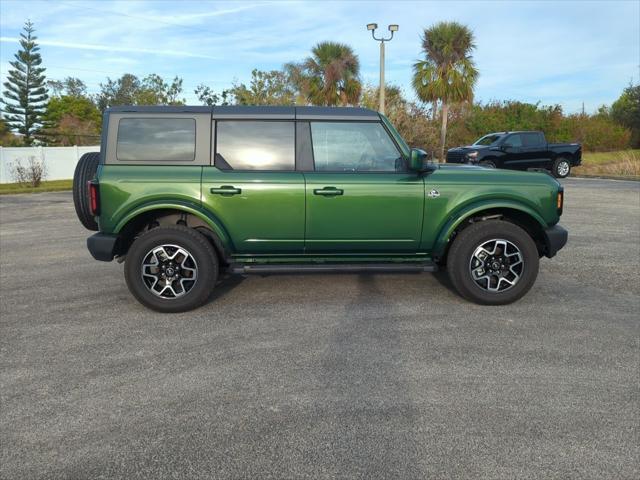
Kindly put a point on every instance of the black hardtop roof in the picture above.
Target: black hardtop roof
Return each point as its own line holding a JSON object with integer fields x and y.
{"x": 261, "y": 112}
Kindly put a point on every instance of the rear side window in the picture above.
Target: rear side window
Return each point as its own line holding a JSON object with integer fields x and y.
{"x": 513, "y": 141}
{"x": 354, "y": 147}
{"x": 255, "y": 145}
{"x": 156, "y": 139}
{"x": 532, "y": 139}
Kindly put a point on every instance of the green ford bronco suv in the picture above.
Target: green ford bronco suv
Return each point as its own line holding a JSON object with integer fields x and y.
{"x": 183, "y": 193}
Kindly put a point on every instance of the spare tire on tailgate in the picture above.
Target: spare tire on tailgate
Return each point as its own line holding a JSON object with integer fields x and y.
{"x": 85, "y": 171}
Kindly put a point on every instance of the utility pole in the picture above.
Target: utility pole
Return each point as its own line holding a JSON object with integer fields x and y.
{"x": 392, "y": 28}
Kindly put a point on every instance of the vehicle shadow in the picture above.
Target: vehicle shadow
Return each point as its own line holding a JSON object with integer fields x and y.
{"x": 442, "y": 277}
{"x": 226, "y": 283}
{"x": 366, "y": 390}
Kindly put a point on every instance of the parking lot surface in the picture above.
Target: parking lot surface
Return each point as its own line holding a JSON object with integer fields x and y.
{"x": 321, "y": 376}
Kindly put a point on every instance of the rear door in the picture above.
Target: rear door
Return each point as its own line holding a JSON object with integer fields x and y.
{"x": 360, "y": 195}
{"x": 535, "y": 150}
{"x": 253, "y": 187}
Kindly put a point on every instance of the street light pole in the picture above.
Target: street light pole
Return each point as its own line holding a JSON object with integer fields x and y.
{"x": 382, "y": 78}
{"x": 392, "y": 28}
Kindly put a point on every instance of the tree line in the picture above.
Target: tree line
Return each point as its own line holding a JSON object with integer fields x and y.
{"x": 62, "y": 112}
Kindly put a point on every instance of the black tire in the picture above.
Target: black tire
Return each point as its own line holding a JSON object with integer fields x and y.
{"x": 471, "y": 238}
{"x": 487, "y": 163}
{"x": 561, "y": 167}
{"x": 196, "y": 245}
{"x": 85, "y": 171}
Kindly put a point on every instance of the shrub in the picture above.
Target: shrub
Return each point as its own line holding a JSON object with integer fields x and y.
{"x": 598, "y": 132}
{"x": 31, "y": 174}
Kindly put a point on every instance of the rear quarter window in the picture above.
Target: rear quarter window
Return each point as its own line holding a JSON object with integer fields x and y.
{"x": 156, "y": 140}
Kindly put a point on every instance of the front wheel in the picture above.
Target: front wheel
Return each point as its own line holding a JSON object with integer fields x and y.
{"x": 487, "y": 164}
{"x": 171, "y": 269}
{"x": 493, "y": 262}
{"x": 561, "y": 168}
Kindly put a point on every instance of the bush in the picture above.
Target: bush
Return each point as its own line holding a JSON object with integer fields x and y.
{"x": 598, "y": 132}
{"x": 626, "y": 111}
{"x": 31, "y": 174}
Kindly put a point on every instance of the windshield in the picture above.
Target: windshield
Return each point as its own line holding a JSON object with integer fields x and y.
{"x": 488, "y": 139}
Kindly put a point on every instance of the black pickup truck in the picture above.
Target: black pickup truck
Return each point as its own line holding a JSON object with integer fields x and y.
{"x": 519, "y": 151}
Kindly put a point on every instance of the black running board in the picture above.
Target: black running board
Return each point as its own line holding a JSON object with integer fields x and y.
{"x": 238, "y": 268}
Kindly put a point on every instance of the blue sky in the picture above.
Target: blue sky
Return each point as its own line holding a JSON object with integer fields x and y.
{"x": 553, "y": 52}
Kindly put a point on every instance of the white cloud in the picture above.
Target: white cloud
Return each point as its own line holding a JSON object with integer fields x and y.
{"x": 109, "y": 48}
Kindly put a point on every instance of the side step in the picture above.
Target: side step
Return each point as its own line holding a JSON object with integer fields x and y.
{"x": 239, "y": 268}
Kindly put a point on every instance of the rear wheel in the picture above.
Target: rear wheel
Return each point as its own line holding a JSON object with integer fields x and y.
{"x": 171, "y": 269}
{"x": 493, "y": 262}
{"x": 84, "y": 172}
{"x": 561, "y": 168}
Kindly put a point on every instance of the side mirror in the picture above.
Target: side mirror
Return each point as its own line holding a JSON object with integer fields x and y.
{"x": 418, "y": 157}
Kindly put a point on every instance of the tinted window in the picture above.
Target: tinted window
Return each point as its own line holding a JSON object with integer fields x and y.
{"x": 532, "y": 139}
{"x": 255, "y": 145}
{"x": 513, "y": 141}
{"x": 354, "y": 147}
{"x": 156, "y": 139}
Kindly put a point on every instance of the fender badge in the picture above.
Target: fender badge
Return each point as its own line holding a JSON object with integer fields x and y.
{"x": 433, "y": 194}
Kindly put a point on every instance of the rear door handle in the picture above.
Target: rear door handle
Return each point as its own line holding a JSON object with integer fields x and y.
{"x": 226, "y": 190}
{"x": 328, "y": 191}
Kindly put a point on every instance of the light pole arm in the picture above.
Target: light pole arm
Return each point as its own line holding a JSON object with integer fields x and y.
{"x": 381, "y": 39}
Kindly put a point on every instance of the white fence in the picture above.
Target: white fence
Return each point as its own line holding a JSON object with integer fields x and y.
{"x": 60, "y": 162}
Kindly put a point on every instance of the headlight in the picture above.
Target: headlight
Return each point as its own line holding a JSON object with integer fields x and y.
{"x": 472, "y": 155}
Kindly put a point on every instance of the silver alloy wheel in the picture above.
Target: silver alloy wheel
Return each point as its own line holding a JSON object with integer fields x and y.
{"x": 496, "y": 265}
{"x": 169, "y": 271}
{"x": 563, "y": 168}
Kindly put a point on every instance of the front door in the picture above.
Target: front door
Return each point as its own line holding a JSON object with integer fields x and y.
{"x": 253, "y": 188}
{"x": 360, "y": 198}
{"x": 516, "y": 157}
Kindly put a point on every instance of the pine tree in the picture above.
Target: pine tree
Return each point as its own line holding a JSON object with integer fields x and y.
{"x": 25, "y": 96}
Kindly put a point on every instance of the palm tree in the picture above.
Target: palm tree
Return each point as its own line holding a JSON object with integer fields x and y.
{"x": 329, "y": 77}
{"x": 447, "y": 74}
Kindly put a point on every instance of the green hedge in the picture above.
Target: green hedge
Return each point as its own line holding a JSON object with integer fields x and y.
{"x": 597, "y": 132}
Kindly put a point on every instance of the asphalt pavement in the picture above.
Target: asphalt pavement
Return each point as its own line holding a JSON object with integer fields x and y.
{"x": 321, "y": 376}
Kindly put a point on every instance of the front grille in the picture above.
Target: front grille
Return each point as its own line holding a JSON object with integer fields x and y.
{"x": 455, "y": 157}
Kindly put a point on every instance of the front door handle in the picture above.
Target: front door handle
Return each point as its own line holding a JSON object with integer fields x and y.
{"x": 226, "y": 190}
{"x": 328, "y": 191}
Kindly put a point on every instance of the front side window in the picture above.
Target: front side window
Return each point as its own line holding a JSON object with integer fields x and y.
{"x": 255, "y": 145}
{"x": 156, "y": 139}
{"x": 354, "y": 147}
